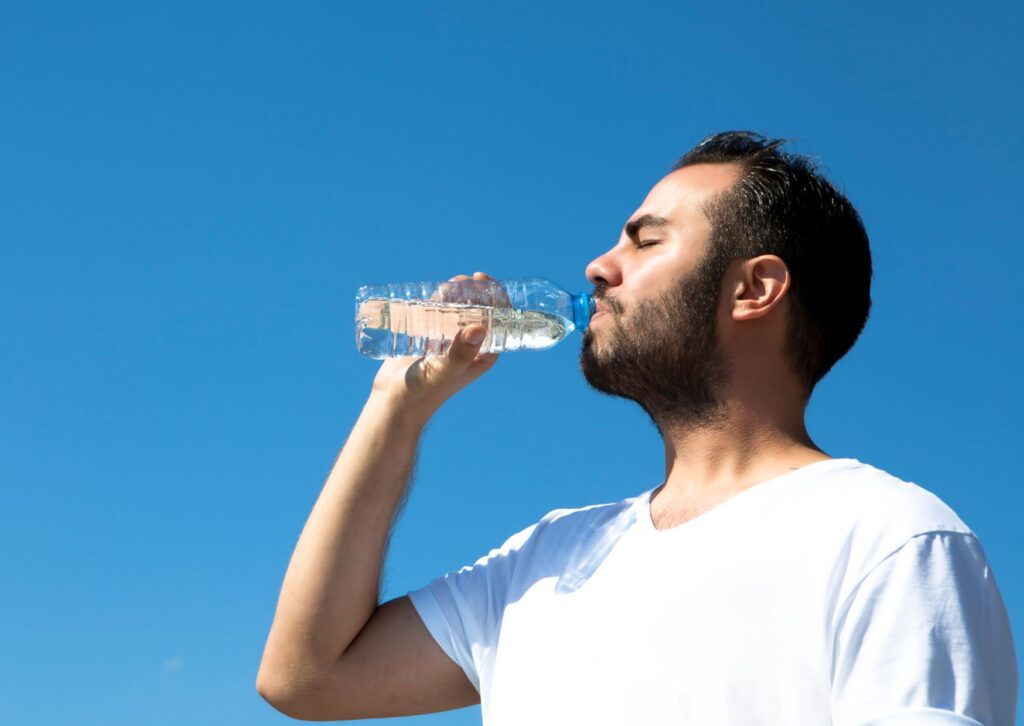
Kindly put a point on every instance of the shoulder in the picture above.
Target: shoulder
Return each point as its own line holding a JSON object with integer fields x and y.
{"x": 865, "y": 496}
{"x": 567, "y": 526}
{"x": 588, "y": 515}
{"x": 866, "y": 514}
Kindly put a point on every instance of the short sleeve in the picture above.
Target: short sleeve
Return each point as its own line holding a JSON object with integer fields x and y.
{"x": 462, "y": 610}
{"x": 924, "y": 638}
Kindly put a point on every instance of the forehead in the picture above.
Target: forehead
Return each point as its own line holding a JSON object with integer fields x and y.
{"x": 682, "y": 194}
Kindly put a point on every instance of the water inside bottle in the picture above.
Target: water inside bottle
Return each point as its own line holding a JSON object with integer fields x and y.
{"x": 388, "y": 328}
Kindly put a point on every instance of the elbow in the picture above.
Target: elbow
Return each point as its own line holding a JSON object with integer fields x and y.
{"x": 286, "y": 698}
{"x": 291, "y": 697}
{"x": 279, "y": 697}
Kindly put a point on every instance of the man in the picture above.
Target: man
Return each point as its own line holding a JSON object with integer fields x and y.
{"x": 763, "y": 581}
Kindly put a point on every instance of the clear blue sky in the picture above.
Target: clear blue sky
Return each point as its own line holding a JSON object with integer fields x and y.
{"x": 190, "y": 194}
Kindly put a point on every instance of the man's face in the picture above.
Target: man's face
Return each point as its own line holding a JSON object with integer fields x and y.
{"x": 656, "y": 339}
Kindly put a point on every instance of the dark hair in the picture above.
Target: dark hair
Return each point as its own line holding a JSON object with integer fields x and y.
{"x": 784, "y": 206}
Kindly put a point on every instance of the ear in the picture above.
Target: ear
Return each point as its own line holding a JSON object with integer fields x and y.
{"x": 759, "y": 286}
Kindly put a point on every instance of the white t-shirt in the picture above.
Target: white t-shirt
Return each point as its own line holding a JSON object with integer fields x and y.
{"x": 832, "y": 594}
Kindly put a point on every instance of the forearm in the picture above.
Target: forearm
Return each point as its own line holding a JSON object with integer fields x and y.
{"x": 331, "y": 587}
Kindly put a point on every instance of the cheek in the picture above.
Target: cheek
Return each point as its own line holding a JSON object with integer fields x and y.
{"x": 656, "y": 273}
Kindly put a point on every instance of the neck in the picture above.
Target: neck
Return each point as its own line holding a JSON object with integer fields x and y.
{"x": 745, "y": 445}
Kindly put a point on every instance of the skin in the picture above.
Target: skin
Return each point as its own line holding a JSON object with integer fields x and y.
{"x": 335, "y": 652}
{"x": 747, "y": 424}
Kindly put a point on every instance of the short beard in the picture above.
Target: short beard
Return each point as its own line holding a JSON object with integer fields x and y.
{"x": 666, "y": 356}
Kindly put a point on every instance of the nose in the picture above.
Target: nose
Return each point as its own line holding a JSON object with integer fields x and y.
{"x": 604, "y": 270}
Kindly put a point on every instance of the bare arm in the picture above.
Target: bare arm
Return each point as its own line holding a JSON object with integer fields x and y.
{"x": 332, "y": 651}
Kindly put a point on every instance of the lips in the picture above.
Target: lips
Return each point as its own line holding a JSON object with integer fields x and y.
{"x": 600, "y": 310}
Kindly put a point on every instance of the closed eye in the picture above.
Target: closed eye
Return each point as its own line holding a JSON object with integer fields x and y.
{"x": 647, "y": 243}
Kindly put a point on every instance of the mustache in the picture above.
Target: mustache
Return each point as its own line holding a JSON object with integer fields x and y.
{"x": 601, "y": 293}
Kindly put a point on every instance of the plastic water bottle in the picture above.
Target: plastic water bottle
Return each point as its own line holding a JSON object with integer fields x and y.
{"x": 421, "y": 318}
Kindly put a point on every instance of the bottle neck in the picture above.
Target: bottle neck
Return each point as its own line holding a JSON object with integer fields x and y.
{"x": 582, "y": 309}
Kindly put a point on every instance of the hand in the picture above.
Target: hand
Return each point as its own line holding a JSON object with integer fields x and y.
{"x": 424, "y": 384}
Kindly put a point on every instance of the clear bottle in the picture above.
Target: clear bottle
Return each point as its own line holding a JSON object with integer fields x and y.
{"x": 421, "y": 318}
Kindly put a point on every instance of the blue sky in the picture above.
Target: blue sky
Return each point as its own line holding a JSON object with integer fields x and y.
{"x": 191, "y": 193}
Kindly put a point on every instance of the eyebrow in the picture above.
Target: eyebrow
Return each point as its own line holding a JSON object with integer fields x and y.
{"x": 634, "y": 226}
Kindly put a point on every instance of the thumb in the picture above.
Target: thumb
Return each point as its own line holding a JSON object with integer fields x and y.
{"x": 446, "y": 374}
{"x": 466, "y": 344}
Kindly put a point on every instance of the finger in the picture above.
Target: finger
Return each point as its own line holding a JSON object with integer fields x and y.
{"x": 500, "y": 296}
{"x": 466, "y": 344}
{"x": 482, "y": 362}
{"x": 479, "y": 366}
{"x": 450, "y": 294}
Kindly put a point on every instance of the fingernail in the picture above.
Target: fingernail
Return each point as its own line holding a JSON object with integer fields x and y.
{"x": 475, "y": 336}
